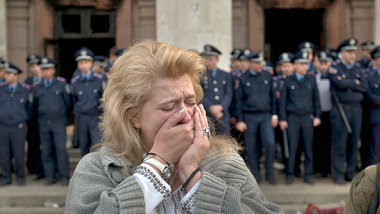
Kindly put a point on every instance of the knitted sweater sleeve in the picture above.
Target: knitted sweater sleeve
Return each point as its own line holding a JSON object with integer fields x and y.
{"x": 91, "y": 191}
{"x": 227, "y": 186}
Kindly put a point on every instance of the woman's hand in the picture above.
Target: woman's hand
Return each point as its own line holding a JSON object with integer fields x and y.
{"x": 173, "y": 139}
{"x": 198, "y": 149}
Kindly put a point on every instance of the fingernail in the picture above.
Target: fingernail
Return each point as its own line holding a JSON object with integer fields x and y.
{"x": 202, "y": 106}
{"x": 198, "y": 108}
{"x": 196, "y": 113}
{"x": 181, "y": 111}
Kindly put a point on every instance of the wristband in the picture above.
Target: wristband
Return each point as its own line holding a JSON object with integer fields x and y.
{"x": 189, "y": 178}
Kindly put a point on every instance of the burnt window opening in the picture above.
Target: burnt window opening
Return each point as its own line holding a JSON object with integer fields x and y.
{"x": 100, "y": 23}
{"x": 71, "y": 23}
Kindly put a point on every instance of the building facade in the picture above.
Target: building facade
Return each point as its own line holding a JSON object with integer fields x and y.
{"x": 57, "y": 28}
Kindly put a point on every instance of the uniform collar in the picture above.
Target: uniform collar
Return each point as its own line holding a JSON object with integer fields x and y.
{"x": 86, "y": 76}
{"x": 253, "y": 73}
{"x": 349, "y": 67}
{"x": 214, "y": 72}
{"x": 47, "y": 83}
{"x": 299, "y": 77}
{"x": 35, "y": 79}
{"x": 377, "y": 70}
{"x": 1, "y": 80}
{"x": 12, "y": 88}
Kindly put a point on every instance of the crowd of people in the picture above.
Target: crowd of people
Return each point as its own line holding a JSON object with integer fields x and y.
{"x": 316, "y": 103}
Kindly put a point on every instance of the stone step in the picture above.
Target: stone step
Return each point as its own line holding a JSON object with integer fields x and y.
{"x": 74, "y": 153}
{"x": 296, "y": 208}
{"x": 31, "y": 210}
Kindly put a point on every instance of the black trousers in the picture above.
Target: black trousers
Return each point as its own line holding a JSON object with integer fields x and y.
{"x": 322, "y": 145}
{"x": 12, "y": 144}
{"x": 33, "y": 155}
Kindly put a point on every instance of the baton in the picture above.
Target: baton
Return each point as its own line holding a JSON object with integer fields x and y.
{"x": 286, "y": 145}
{"x": 342, "y": 114}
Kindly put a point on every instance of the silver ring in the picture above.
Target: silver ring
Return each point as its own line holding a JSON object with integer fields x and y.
{"x": 206, "y": 132}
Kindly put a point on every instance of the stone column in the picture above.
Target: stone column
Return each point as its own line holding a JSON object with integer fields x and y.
{"x": 3, "y": 27}
{"x": 376, "y": 22}
{"x": 190, "y": 24}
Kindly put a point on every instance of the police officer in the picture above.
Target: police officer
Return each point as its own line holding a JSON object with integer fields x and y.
{"x": 88, "y": 88}
{"x": 268, "y": 67}
{"x": 244, "y": 60}
{"x": 52, "y": 101}
{"x": 217, "y": 87}
{"x": 373, "y": 94}
{"x": 348, "y": 83}
{"x": 34, "y": 162}
{"x": 309, "y": 48}
{"x": 286, "y": 69}
{"x": 2, "y": 70}
{"x": 100, "y": 65}
{"x": 366, "y": 47}
{"x": 255, "y": 110}
{"x": 300, "y": 113}
{"x": 322, "y": 136}
{"x": 15, "y": 110}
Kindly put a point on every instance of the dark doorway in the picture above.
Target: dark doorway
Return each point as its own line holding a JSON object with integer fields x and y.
{"x": 286, "y": 28}
{"x": 66, "y": 49}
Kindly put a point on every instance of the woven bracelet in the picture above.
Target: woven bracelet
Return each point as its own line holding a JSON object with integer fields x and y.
{"x": 189, "y": 178}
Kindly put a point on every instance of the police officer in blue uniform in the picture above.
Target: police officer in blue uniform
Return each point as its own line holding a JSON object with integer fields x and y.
{"x": 300, "y": 113}
{"x": 87, "y": 88}
{"x": 100, "y": 66}
{"x": 348, "y": 83}
{"x": 255, "y": 107}
{"x": 373, "y": 94}
{"x": 217, "y": 87}
{"x": 52, "y": 100}
{"x": 2, "y": 70}
{"x": 15, "y": 110}
{"x": 34, "y": 161}
{"x": 366, "y": 60}
{"x": 286, "y": 69}
{"x": 309, "y": 48}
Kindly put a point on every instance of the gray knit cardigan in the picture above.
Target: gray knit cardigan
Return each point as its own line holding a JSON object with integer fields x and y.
{"x": 103, "y": 183}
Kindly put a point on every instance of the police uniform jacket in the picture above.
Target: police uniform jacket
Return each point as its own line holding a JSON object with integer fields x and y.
{"x": 15, "y": 107}
{"x": 217, "y": 90}
{"x": 373, "y": 94}
{"x": 343, "y": 82}
{"x": 255, "y": 94}
{"x": 52, "y": 102}
{"x": 87, "y": 94}
{"x": 299, "y": 98}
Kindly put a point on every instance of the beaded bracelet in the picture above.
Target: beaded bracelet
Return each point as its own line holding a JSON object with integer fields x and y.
{"x": 189, "y": 178}
{"x": 158, "y": 185}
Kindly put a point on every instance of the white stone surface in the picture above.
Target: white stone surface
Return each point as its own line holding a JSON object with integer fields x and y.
{"x": 190, "y": 24}
{"x": 376, "y": 22}
{"x": 3, "y": 29}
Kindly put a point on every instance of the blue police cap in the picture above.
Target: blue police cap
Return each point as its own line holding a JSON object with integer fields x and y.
{"x": 10, "y": 68}
{"x": 256, "y": 56}
{"x": 209, "y": 50}
{"x": 333, "y": 53}
{"x": 267, "y": 65}
{"x": 2, "y": 63}
{"x": 367, "y": 45}
{"x": 245, "y": 54}
{"x": 120, "y": 51}
{"x": 33, "y": 58}
{"x": 301, "y": 57}
{"x": 285, "y": 57}
{"x": 348, "y": 44}
{"x": 84, "y": 53}
{"x": 236, "y": 53}
{"x": 323, "y": 56}
{"x": 305, "y": 46}
{"x": 46, "y": 62}
{"x": 375, "y": 52}
{"x": 101, "y": 61}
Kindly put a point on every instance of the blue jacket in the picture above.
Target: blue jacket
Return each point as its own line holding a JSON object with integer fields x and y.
{"x": 217, "y": 90}
{"x": 255, "y": 94}
{"x": 299, "y": 98}
{"x": 343, "y": 82}
{"x": 373, "y": 94}
{"x": 15, "y": 108}
{"x": 87, "y": 94}
{"x": 52, "y": 102}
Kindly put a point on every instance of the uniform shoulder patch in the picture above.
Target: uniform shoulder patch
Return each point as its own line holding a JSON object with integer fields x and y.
{"x": 98, "y": 76}
{"x": 24, "y": 85}
{"x": 61, "y": 79}
{"x": 332, "y": 70}
{"x": 3, "y": 84}
{"x": 35, "y": 84}
{"x": 74, "y": 79}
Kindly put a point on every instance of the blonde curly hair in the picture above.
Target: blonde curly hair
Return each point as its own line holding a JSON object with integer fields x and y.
{"x": 129, "y": 87}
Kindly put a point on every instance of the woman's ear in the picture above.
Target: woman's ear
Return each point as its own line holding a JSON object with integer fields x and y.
{"x": 136, "y": 122}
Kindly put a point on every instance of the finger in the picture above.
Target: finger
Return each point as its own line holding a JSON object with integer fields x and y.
{"x": 203, "y": 114}
{"x": 174, "y": 119}
{"x": 197, "y": 123}
{"x": 202, "y": 119}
